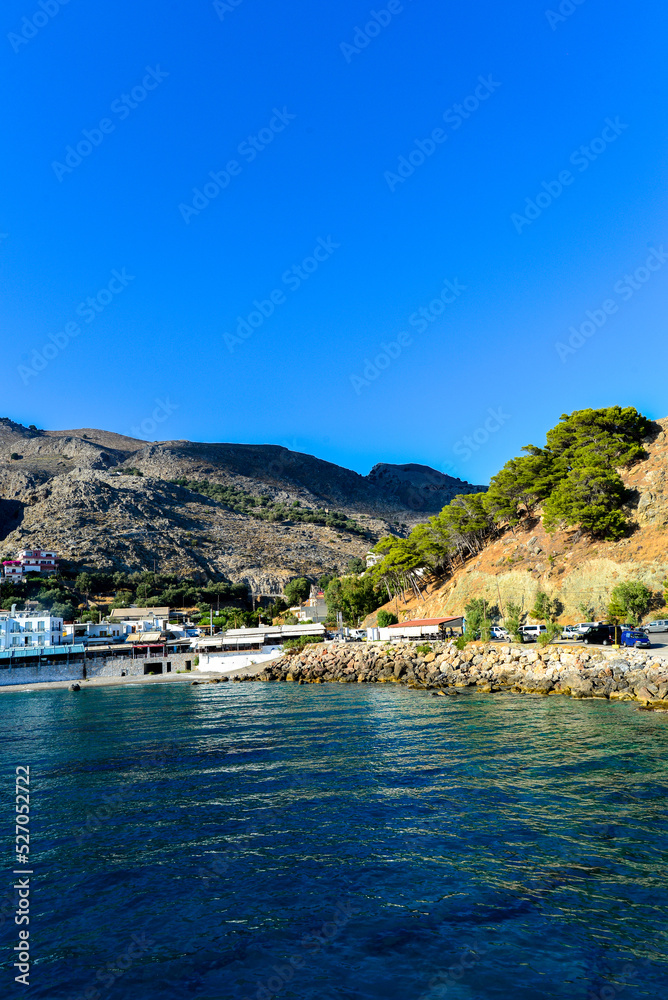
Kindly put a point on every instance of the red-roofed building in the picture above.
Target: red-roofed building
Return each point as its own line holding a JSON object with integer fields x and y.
{"x": 418, "y": 628}
{"x": 30, "y": 561}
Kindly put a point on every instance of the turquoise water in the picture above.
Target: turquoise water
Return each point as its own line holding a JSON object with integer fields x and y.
{"x": 259, "y": 841}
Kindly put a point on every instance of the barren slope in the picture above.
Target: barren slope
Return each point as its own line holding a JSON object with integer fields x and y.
{"x": 67, "y": 492}
{"x": 565, "y": 565}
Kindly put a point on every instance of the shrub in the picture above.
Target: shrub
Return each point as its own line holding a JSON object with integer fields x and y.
{"x": 630, "y": 601}
{"x": 15, "y": 456}
{"x": 423, "y": 648}
{"x": 301, "y": 641}
{"x": 386, "y": 618}
{"x": 547, "y": 637}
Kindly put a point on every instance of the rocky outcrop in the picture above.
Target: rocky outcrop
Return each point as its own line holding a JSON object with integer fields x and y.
{"x": 445, "y": 670}
{"x": 419, "y": 487}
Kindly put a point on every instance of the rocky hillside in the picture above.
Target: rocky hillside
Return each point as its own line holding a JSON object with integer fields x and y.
{"x": 565, "y": 564}
{"x": 418, "y": 487}
{"x": 109, "y": 502}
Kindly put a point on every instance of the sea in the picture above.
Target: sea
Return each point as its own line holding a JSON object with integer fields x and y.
{"x": 251, "y": 841}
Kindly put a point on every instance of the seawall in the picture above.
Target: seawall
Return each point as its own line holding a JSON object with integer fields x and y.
{"x": 576, "y": 671}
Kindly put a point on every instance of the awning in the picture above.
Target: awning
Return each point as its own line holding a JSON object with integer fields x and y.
{"x": 44, "y": 652}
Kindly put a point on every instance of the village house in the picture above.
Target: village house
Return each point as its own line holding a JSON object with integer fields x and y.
{"x": 29, "y": 630}
{"x": 314, "y": 609}
{"x": 30, "y": 561}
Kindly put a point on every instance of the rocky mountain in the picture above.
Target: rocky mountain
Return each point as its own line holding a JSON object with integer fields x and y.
{"x": 110, "y": 502}
{"x": 566, "y": 565}
{"x": 419, "y": 487}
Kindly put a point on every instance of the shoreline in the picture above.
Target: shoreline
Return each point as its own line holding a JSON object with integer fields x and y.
{"x": 575, "y": 671}
{"x": 96, "y": 682}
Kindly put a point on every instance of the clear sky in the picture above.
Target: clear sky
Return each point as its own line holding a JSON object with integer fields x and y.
{"x": 263, "y": 203}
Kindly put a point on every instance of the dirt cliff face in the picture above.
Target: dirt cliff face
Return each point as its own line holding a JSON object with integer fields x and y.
{"x": 565, "y": 565}
{"x": 68, "y": 491}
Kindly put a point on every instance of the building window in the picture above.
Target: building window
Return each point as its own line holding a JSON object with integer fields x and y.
{"x": 40, "y": 626}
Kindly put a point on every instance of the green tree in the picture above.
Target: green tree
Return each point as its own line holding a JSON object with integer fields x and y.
{"x": 513, "y": 619}
{"x": 122, "y": 599}
{"x": 296, "y": 591}
{"x": 520, "y": 486}
{"x": 586, "y": 609}
{"x": 356, "y": 565}
{"x": 354, "y": 596}
{"x": 64, "y": 611}
{"x": 590, "y": 497}
{"x": 386, "y": 618}
{"x": 325, "y": 580}
{"x": 611, "y": 437}
{"x": 629, "y": 602}
{"x": 545, "y": 608}
{"x": 84, "y": 584}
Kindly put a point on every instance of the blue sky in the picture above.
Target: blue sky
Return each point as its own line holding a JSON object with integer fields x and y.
{"x": 308, "y": 118}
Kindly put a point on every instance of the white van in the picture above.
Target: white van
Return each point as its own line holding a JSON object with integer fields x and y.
{"x": 532, "y": 631}
{"x": 583, "y": 626}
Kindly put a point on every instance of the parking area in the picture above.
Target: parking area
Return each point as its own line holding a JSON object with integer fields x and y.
{"x": 659, "y": 640}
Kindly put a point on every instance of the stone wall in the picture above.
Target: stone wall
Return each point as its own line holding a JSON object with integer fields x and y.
{"x": 113, "y": 666}
{"x": 578, "y": 671}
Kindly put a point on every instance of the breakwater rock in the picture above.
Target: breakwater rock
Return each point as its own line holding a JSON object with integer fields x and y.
{"x": 577, "y": 671}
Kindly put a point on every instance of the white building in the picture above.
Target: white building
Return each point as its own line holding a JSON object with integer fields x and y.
{"x": 30, "y": 561}
{"x": 420, "y": 628}
{"x": 91, "y": 633}
{"x": 18, "y": 631}
{"x": 313, "y": 610}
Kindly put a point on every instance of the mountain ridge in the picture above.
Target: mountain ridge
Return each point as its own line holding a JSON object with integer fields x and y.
{"x": 111, "y": 502}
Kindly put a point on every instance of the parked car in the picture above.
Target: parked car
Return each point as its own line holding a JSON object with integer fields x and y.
{"x": 600, "y": 635}
{"x": 499, "y": 632}
{"x": 583, "y": 626}
{"x": 661, "y": 625}
{"x": 531, "y": 632}
{"x": 634, "y": 637}
{"x": 570, "y": 632}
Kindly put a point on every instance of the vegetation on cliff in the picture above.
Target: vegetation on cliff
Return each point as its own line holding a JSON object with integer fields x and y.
{"x": 572, "y": 481}
{"x": 264, "y": 509}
